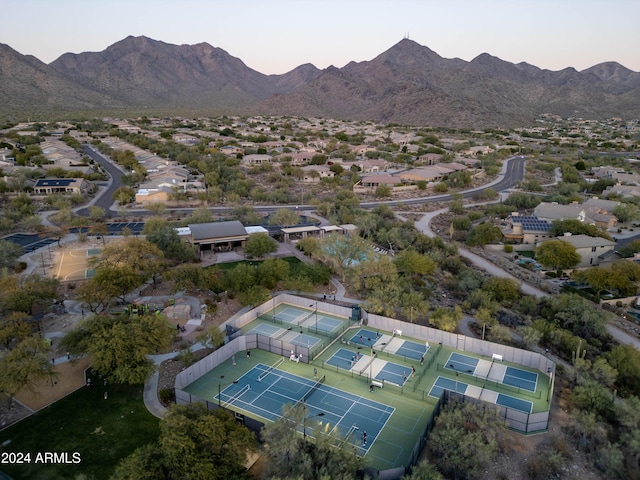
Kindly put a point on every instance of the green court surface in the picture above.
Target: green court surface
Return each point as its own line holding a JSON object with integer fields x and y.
{"x": 367, "y": 370}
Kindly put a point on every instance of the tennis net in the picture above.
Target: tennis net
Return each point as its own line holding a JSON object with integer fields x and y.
{"x": 271, "y": 318}
{"x": 262, "y": 375}
{"x": 305, "y": 318}
{"x": 313, "y": 388}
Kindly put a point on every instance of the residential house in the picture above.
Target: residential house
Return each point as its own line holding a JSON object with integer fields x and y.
{"x": 323, "y": 171}
{"x": 624, "y": 191}
{"x": 299, "y": 158}
{"x": 429, "y": 159}
{"x": 370, "y": 183}
{"x": 589, "y": 213}
{"x": 434, "y": 173}
{"x": 361, "y": 150}
{"x": 527, "y": 229}
{"x": 555, "y": 211}
{"x": 146, "y": 196}
{"x": 230, "y": 150}
{"x": 47, "y": 186}
{"x": 592, "y": 250}
{"x": 257, "y": 159}
{"x": 365, "y": 166}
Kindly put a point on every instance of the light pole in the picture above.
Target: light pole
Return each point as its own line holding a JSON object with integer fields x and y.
{"x": 316, "y": 313}
{"x": 304, "y": 423}
{"x": 550, "y": 372}
{"x": 452, "y": 366}
{"x": 220, "y": 385}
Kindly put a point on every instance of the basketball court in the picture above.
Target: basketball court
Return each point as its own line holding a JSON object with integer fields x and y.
{"x": 73, "y": 265}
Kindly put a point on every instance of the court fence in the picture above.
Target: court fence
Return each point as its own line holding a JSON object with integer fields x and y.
{"x": 461, "y": 342}
{"x": 515, "y": 419}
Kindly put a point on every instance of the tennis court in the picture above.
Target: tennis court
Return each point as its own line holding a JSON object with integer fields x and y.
{"x": 443, "y": 383}
{"x": 407, "y": 348}
{"x": 313, "y": 320}
{"x": 380, "y": 370}
{"x": 267, "y": 330}
{"x": 263, "y": 391}
{"x": 521, "y": 379}
{"x": 324, "y": 324}
{"x": 291, "y": 315}
{"x": 357, "y": 367}
{"x": 512, "y": 376}
{"x": 72, "y": 265}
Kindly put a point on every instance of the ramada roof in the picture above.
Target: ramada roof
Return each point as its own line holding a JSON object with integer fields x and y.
{"x": 204, "y": 231}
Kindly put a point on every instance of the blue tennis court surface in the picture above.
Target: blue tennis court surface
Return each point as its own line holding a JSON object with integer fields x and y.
{"x": 521, "y": 379}
{"x": 267, "y": 330}
{"x": 326, "y": 324}
{"x": 413, "y": 350}
{"x": 292, "y": 315}
{"x": 443, "y": 383}
{"x": 304, "y": 340}
{"x": 364, "y": 337}
{"x": 348, "y": 415}
{"x": 394, "y": 373}
{"x": 462, "y": 363}
{"x": 343, "y": 358}
{"x": 515, "y": 403}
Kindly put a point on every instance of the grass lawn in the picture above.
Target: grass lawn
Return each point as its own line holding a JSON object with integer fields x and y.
{"x": 102, "y": 431}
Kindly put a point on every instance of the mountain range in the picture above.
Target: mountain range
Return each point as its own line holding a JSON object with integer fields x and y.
{"x": 407, "y": 84}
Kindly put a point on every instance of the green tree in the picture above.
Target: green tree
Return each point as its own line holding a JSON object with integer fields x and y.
{"x": 484, "y": 234}
{"x": 317, "y": 456}
{"x": 96, "y": 214}
{"x": 124, "y": 195}
{"x": 259, "y": 244}
{"x": 9, "y": 253}
{"x": 423, "y": 471}
{"x": 14, "y": 327}
{"x": 630, "y": 249}
{"x": 414, "y": 305}
{"x": 284, "y": 217}
{"x": 530, "y": 336}
{"x": 502, "y": 290}
{"x": 164, "y": 236}
{"x": 272, "y": 271}
{"x": 523, "y": 201}
{"x": 577, "y": 315}
{"x": 627, "y": 212}
{"x": 194, "y": 443}
{"x": 576, "y": 227}
{"x": 465, "y": 439}
{"x": 384, "y": 298}
{"x": 626, "y": 360}
{"x": 595, "y": 398}
{"x": 383, "y": 191}
{"x": 446, "y": 318}
{"x": 25, "y": 366}
{"x": 241, "y": 278}
{"x": 119, "y": 345}
{"x": 137, "y": 259}
{"x": 200, "y": 215}
{"x": 343, "y": 252}
{"x": 557, "y": 254}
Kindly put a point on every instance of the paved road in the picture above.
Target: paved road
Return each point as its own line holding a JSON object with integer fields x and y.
{"x": 512, "y": 173}
{"x": 105, "y": 198}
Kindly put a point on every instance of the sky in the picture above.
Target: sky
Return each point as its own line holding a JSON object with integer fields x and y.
{"x": 275, "y": 36}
